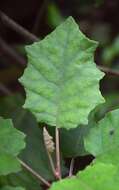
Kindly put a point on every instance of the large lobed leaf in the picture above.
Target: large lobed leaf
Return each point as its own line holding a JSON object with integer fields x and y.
{"x": 11, "y": 143}
{"x": 61, "y": 80}
{"x": 97, "y": 177}
{"x": 103, "y": 140}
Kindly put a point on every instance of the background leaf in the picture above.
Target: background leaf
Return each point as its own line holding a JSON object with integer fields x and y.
{"x": 12, "y": 188}
{"x": 24, "y": 179}
{"x": 103, "y": 139}
{"x": 8, "y": 164}
{"x": 97, "y": 177}
{"x": 11, "y": 143}
{"x": 24, "y": 121}
{"x": 61, "y": 80}
{"x": 53, "y": 15}
{"x": 34, "y": 154}
{"x": 72, "y": 141}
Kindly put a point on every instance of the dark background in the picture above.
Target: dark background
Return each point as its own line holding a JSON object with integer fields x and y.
{"x": 98, "y": 19}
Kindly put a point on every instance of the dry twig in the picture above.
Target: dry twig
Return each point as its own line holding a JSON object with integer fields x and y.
{"x": 18, "y": 28}
{"x": 39, "y": 177}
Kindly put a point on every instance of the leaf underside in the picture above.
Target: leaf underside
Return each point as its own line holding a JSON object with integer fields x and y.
{"x": 61, "y": 80}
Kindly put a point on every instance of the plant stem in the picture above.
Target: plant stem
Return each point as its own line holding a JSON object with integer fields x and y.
{"x": 49, "y": 146}
{"x": 58, "y": 164}
{"x": 39, "y": 17}
{"x": 39, "y": 177}
{"x": 108, "y": 70}
{"x": 18, "y": 28}
{"x": 71, "y": 167}
{"x": 5, "y": 90}
{"x": 51, "y": 164}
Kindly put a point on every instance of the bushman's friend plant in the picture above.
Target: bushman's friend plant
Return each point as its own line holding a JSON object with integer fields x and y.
{"x": 61, "y": 83}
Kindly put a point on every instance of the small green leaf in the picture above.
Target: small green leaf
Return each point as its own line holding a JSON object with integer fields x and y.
{"x": 12, "y": 188}
{"x": 8, "y": 164}
{"x": 11, "y": 143}
{"x": 103, "y": 139}
{"x": 61, "y": 80}
{"x": 11, "y": 140}
{"x": 97, "y": 177}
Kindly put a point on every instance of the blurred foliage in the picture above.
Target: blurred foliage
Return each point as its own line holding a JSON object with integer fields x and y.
{"x": 101, "y": 33}
{"x": 54, "y": 15}
{"x": 111, "y": 52}
{"x": 35, "y": 153}
{"x": 11, "y": 188}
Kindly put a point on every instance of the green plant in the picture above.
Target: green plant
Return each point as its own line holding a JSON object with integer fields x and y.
{"x": 62, "y": 89}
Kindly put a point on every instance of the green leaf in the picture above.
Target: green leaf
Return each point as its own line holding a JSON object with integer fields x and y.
{"x": 54, "y": 16}
{"x": 11, "y": 143}
{"x": 103, "y": 139}
{"x": 61, "y": 80}
{"x": 11, "y": 140}
{"x": 76, "y": 145}
{"x": 8, "y": 164}
{"x": 97, "y": 177}
{"x": 25, "y": 179}
{"x": 35, "y": 149}
{"x": 35, "y": 153}
{"x": 12, "y": 188}
{"x": 76, "y": 138}
{"x": 111, "y": 52}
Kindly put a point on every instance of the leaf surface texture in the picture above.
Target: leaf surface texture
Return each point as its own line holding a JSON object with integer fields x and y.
{"x": 61, "y": 80}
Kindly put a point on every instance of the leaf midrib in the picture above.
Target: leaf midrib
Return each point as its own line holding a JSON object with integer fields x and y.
{"x": 63, "y": 65}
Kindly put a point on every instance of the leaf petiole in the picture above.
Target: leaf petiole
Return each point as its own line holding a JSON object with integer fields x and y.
{"x": 39, "y": 177}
